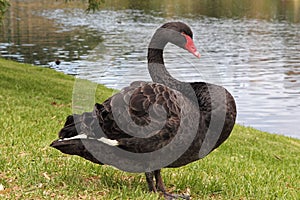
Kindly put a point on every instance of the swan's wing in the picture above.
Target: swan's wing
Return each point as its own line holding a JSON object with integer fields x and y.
{"x": 143, "y": 117}
{"x": 141, "y": 110}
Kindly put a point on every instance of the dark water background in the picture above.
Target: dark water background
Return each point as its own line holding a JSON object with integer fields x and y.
{"x": 250, "y": 47}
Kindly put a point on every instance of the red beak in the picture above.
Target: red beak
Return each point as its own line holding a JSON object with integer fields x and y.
{"x": 190, "y": 46}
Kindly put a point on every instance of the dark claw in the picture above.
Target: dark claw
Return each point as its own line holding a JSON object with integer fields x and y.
{"x": 161, "y": 187}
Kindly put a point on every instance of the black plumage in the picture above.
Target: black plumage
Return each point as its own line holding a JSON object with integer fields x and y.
{"x": 165, "y": 109}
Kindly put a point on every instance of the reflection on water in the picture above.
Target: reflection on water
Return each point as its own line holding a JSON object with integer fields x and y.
{"x": 250, "y": 47}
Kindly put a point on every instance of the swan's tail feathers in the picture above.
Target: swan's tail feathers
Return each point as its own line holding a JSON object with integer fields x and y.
{"x": 84, "y": 124}
{"x": 69, "y": 129}
{"x": 83, "y": 146}
{"x": 82, "y": 135}
{"x": 75, "y": 147}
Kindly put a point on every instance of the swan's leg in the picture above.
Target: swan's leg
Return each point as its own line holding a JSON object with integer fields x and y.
{"x": 161, "y": 187}
{"x": 149, "y": 178}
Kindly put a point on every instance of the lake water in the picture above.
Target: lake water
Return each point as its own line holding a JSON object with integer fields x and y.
{"x": 250, "y": 47}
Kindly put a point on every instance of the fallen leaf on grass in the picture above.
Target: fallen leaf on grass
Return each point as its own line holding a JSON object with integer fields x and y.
{"x": 187, "y": 191}
{"x": 55, "y": 104}
{"x": 82, "y": 196}
{"x": 23, "y": 153}
{"x": 4, "y": 192}
{"x": 46, "y": 176}
{"x": 277, "y": 157}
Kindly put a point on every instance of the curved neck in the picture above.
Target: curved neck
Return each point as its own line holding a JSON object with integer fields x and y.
{"x": 156, "y": 67}
{"x": 158, "y": 71}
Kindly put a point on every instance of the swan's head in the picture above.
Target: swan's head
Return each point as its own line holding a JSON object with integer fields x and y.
{"x": 181, "y": 35}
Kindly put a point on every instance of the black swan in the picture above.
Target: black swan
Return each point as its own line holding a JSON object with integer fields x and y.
{"x": 152, "y": 125}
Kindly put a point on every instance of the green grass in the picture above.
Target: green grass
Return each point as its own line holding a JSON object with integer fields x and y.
{"x": 34, "y": 102}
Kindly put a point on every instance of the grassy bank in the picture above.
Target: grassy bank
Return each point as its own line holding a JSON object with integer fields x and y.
{"x": 34, "y": 102}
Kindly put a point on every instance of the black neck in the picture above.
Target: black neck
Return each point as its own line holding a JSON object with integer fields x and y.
{"x": 155, "y": 56}
{"x": 158, "y": 71}
{"x": 160, "y": 74}
{"x": 156, "y": 67}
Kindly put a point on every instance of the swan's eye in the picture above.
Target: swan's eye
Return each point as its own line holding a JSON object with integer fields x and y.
{"x": 186, "y": 34}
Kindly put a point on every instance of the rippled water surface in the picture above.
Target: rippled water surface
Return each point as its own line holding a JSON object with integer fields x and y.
{"x": 256, "y": 58}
